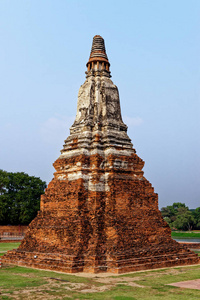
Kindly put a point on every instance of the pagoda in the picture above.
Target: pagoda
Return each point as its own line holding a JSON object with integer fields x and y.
{"x": 99, "y": 213}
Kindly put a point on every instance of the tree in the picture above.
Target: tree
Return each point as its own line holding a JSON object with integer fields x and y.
{"x": 170, "y": 212}
{"x": 184, "y": 219}
{"x": 179, "y": 216}
{"x": 196, "y": 214}
{"x": 19, "y": 197}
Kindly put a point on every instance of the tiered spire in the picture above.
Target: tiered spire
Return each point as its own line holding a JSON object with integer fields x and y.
{"x": 98, "y": 60}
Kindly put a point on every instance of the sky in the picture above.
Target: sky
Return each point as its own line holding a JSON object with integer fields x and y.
{"x": 153, "y": 48}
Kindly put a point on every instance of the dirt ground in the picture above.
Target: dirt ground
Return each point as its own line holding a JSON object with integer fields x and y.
{"x": 189, "y": 284}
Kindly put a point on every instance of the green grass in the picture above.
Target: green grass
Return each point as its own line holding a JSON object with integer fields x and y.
{"x": 26, "y": 283}
{"x": 4, "y": 247}
{"x": 186, "y": 234}
{"x": 197, "y": 251}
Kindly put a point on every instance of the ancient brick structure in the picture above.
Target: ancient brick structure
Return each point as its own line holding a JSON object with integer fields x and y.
{"x": 18, "y": 230}
{"x": 99, "y": 213}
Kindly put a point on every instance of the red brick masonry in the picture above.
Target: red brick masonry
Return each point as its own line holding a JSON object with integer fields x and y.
{"x": 119, "y": 230}
{"x": 12, "y": 230}
{"x": 191, "y": 245}
{"x": 99, "y": 213}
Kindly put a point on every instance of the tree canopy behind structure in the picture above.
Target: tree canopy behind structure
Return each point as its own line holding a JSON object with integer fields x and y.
{"x": 19, "y": 197}
{"x": 180, "y": 217}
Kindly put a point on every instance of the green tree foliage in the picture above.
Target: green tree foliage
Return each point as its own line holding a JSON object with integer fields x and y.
{"x": 196, "y": 214}
{"x": 19, "y": 197}
{"x": 178, "y": 216}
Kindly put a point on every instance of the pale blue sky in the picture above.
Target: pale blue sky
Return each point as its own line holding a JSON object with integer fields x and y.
{"x": 153, "y": 48}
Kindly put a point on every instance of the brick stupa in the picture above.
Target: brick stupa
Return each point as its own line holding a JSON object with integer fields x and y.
{"x": 99, "y": 213}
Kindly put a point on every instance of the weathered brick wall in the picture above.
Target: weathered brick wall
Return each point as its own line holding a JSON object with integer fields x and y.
{"x": 13, "y": 230}
{"x": 191, "y": 245}
{"x": 118, "y": 230}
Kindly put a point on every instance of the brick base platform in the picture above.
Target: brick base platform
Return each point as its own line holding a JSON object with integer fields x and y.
{"x": 120, "y": 230}
{"x": 191, "y": 245}
{"x": 69, "y": 264}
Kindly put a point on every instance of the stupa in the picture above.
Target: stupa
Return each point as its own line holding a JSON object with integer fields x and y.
{"x": 99, "y": 213}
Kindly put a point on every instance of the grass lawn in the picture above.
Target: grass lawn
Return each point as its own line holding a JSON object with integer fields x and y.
{"x": 24, "y": 283}
{"x": 21, "y": 283}
{"x": 197, "y": 251}
{"x": 186, "y": 234}
{"x": 4, "y": 247}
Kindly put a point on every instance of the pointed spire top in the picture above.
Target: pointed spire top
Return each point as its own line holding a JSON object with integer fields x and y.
{"x": 98, "y": 48}
{"x": 98, "y": 54}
